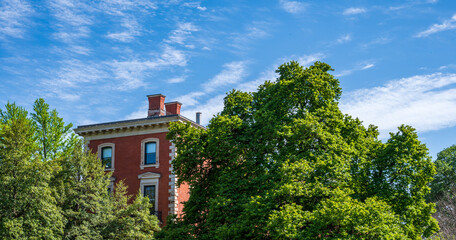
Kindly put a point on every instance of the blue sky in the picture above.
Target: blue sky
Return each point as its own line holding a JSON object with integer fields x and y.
{"x": 95, "y": 61}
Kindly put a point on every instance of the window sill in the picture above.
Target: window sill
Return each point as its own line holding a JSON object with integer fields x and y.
{"x": 150, "y": 165}
{"x": 108, "y": 169}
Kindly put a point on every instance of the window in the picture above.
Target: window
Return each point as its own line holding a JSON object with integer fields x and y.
{"x": 149, "y": 153}
{"x": 106, "y": 157}
{"x": 106, "y": 154}
{"x": 149, "y": 191}
{"x": 149, "y": 182}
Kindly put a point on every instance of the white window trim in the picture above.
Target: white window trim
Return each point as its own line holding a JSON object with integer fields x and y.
{"x": 147, "y": 179}
{"x": 143, "y": 150}
{"x": 113, "y": 157}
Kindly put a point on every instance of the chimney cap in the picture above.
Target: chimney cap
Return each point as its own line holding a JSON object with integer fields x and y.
{"x": 173, "y": 102}
{"x": 155, "y": 95}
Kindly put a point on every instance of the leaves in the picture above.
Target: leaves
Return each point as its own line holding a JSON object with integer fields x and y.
{"x": 285, "y": 163}
{"x": 51, "y": 188}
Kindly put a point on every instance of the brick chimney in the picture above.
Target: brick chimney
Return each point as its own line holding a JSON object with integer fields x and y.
{"x": 173, "y": 108}
{"x": 156, "y": 105}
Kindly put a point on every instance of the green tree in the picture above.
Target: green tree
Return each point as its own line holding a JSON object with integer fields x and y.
{"x": 285, "y": 163}
{"x": 52, "y": 188}
{"x": 130, "y": 220}
{"x": 28, "y": 209}
{"x": 91, "y": 212}
{"x": 445, "y": 180}
{"x": 53, "y": 136}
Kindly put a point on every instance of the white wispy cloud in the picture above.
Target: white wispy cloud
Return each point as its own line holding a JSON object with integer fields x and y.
{"x": 191, "y": 98}
{"x": 446, "y": 25}
{"x": 208, "y": 109}
{"x": 307, "y": 60}
{"x": 71, "y": 12}
{"x": 179, "y": 35}
{"x": 131, "y": 30}
{"x": 232, "y": 73}
{"x": 129, "y": 11}
{"x": 358, "y": 67}
{"x": 293, "y": 6}
{"x": 14, "y": 16}
{"x": 254, "y": 31}
{"x": 196, "y": 5}
{"x": 65, "y": 82}
{"x": 72, "y": 22}
{"x": 427, "y": 102}
{"x": 377, "y": 41}
{"x": 354, "y": 11}
{"x": 367, "y": 66}
{"x": 140, "y": 113}
{"x": 131, "y": 73}
{"x": 176, "y": 79}
{"x": 344, "y": 38}
{"x": 72, "y": 78}
{"x": 122, "y": 7}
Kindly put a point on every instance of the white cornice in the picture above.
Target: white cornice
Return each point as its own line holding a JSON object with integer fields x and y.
{"x": 130, "y": 127}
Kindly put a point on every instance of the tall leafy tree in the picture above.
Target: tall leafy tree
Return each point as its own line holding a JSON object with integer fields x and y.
{"x": 285, "y": 163}
{"x": 445, "y": 180}
{"x": 52, "y": 188}
{"x": 28, "y": 209}
{"x": 90, "y": 211}
{"x": 130, "y": 219}
{"x": 53, "y": 136}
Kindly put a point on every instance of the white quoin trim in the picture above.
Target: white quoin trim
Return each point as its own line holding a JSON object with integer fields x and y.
{"x": 173, "y": 195}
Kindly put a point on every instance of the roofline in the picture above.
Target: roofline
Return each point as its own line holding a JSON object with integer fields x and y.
{"x": 82, "y": 128}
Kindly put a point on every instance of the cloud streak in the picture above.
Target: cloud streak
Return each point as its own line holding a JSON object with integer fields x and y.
{"x": 448, "y": 24}
{"x": 14, "y": 17}
{"x": 359, "y": 67}
{"x": 131, "y": 30}
{"x": 232, "y": 73}
{"x": 427, "y": 102}
{"x": 354, "y": 11}
{"x": 293, "y": 7}
{"x": 183, "y": 31}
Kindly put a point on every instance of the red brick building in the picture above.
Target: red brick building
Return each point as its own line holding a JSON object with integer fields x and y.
{"x": 138, "y": 152}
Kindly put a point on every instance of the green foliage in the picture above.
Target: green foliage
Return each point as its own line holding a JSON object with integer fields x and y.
{"x": 130, "y": 221}
{"x": 446, "y": 215}
{"x": 51, "y": 188}
{"x": 285, "y": 163}
{"x": 445, "y": 179}
{"x": 27, "y": 206}
{"x": 55, "y": 139}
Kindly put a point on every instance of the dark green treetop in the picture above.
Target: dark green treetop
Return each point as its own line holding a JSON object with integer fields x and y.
{"x": 285, "y": 163}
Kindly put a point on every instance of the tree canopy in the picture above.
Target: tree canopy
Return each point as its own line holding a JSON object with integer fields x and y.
{"x": 285, "y": 163}
{"x": 51, "y": 188}
{"x": 445, "y": 180}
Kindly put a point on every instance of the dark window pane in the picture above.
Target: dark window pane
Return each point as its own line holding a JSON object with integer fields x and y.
{"x": 106, "y": 156}
{"x": 149, "y": 191}
{"x": 150, "y": 153}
